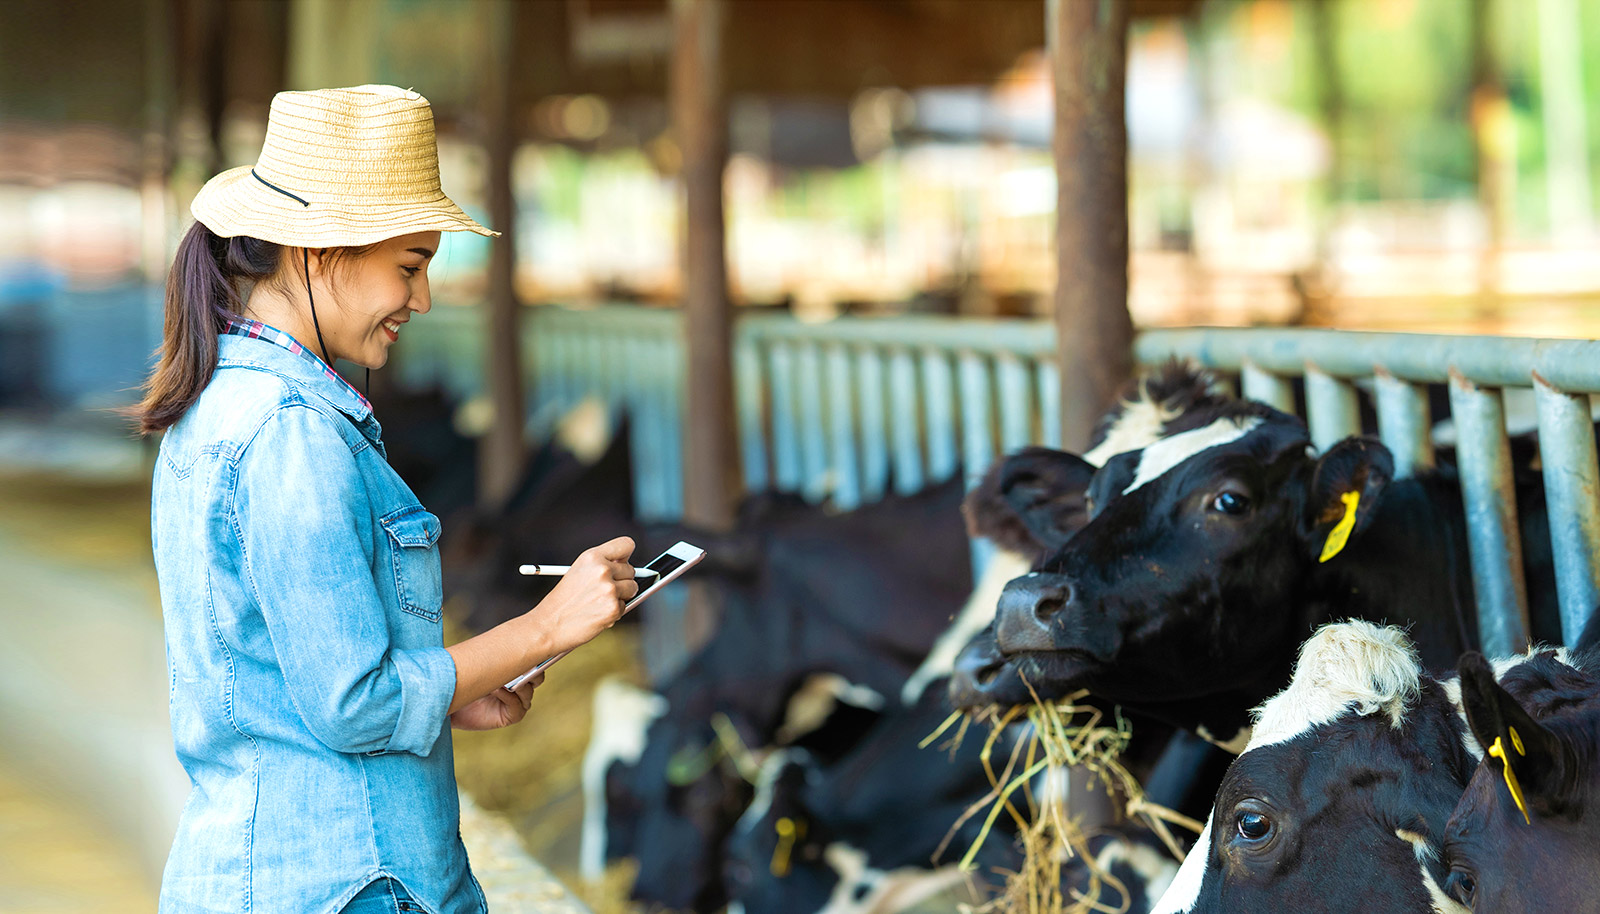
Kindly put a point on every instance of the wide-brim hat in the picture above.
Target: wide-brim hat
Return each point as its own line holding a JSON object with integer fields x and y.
{"x": 339, "y": 167}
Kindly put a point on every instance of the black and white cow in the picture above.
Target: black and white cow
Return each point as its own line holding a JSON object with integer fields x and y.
{"x": 1537, "y": 849}
{"x": 1209, "y": 555}
{"x": 876, "y": 831}
{"x": 824, "y": 617}
{"x": 1340, "y": 800}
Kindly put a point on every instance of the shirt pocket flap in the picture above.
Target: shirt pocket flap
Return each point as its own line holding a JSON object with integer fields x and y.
{"x": 412, "y": 527}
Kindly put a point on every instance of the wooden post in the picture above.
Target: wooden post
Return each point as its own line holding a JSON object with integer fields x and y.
{"x": 711, "y": 460}
{"x": 1088, "y": 44}
{"x": 500, "y": 455}
{"x": 700, "y": 122}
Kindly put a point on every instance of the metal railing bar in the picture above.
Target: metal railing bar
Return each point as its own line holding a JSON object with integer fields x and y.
{"x": 1273, "y": 390}
{"x": 1332, "y": 409}
{"x": 845, "y": 457}
{"x": 1572, "y": 498}
{"x": 1015, "y": 402}
{"x": 1404, "y": 424}
{"x": 1571, "y": 365}
{"x": 903, "y": 411}
{"x": 939, "y": 403}
{"x": 1484, "y": 456}
{"x": 871, "y": 391}
{"x": 815, "y": 482}
{"x": 786, "y": 471}
{"x": 749, "y": 391}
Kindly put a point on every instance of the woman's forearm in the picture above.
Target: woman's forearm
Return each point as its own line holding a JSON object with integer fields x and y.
{"x": 488, "y": 661}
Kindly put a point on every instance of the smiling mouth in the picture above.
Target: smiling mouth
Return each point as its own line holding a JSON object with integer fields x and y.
{"x": 392, "y": 328}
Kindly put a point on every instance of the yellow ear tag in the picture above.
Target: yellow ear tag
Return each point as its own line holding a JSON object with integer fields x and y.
{"x": 1340, "y": 534}
{"x": 1499, "y": 752}
{"x": 787, "y": 833}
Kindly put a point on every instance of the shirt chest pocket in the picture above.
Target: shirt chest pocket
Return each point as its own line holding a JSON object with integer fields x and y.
{"x": 413, "y": 545}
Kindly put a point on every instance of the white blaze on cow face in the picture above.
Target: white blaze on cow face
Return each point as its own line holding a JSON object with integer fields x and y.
{"x": 1233, "y": 745}
{"x": 1184, "y": 891}
{"x": 864, "y": 890}
{"x": 1136, "y": 428}
{"x": 1345, "y": 665}
{"x": 1168, "y": 452}
{"x": 815, "y": 699}
{"x": 622, "y": 715}
{"x": 974, "y": 617}
{"x": 766, "y": 784}
{"x": 1156, "y": 868}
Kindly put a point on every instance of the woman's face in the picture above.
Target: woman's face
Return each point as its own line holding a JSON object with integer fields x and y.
{"x": 374, "y": 295}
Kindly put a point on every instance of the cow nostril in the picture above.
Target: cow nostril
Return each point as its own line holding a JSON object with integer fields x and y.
{"x": 987, "y": 675}
{"x": 1052, "y": 601}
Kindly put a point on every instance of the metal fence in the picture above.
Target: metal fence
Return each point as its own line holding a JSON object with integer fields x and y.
{"x": 1561, "y": 373}
{"x": 848, "y": 410}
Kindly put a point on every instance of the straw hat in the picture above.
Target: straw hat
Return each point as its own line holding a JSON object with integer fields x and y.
{"x": 339, "y": 167}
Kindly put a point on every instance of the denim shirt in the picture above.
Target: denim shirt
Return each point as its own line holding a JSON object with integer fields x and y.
{"x": 300, "y": 589}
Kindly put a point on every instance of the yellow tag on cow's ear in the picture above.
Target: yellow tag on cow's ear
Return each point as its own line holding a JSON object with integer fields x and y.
{"x": 1340, "y": 534}
{"x": 788, "y": 834}
{"x": 1499, "y": 751}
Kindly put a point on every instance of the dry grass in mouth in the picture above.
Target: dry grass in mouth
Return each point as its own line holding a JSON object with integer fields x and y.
{"x": 1065, "y": 735}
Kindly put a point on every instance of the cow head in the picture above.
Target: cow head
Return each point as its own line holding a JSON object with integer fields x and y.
{"x": 1340, "y": 800}
{"x": 690, "y": 790}
{"x": 1523, "y": 837}
{"x": 864, "y": 832}
{"x": 1190, "y": 577}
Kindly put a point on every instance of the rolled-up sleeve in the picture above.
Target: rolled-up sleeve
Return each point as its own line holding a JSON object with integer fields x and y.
{"x": 305, "y": 529}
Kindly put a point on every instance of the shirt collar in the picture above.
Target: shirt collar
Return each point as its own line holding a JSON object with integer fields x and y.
{"x": 305, "y": 367}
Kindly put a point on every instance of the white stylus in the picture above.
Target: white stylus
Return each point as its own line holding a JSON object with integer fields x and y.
{"x": 563, "y": 569}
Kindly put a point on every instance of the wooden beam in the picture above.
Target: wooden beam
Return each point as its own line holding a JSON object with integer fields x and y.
{"x": 500, "y": 456}
{"x": 700, "y": 122}
{"x": 1088, "y": 44}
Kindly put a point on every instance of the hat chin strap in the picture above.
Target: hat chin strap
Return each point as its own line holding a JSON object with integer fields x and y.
{"x": 305, "y": 261}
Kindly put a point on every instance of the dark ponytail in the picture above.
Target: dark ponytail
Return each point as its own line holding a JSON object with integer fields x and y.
{"x": 206, "y": 288}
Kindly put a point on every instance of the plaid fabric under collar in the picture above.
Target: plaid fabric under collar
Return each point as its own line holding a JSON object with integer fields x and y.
{"x": 259, "y": 331}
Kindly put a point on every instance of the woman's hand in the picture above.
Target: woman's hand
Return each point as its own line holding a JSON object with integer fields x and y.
{"x": 500, "y": 708}
{"x": 589, "y": 597}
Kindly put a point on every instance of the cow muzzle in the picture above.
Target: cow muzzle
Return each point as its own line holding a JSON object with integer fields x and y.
{"x": 1022, "y": 620}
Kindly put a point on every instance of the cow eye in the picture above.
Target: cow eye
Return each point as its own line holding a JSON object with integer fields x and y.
{"x": 1230, "y": 503}
{"x": 1253, "y": 826}
{"x": 1461, "y": 886}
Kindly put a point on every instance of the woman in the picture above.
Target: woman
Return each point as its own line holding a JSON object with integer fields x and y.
{"x": 300, "y": 585}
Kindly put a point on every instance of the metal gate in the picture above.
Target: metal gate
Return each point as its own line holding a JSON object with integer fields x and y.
{"x": 847, "y": 410}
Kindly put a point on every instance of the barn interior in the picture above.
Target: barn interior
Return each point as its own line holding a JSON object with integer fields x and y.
{"x": 774, "y": 274}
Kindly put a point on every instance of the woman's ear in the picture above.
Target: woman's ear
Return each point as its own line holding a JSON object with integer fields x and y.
{"x": 1346, "y": 483}
{"x": 314, "y": 260}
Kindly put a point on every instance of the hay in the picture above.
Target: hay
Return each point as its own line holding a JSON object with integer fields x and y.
{"x": 1065, "y": 736}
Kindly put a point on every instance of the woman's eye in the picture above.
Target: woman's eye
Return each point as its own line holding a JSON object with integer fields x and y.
{"x": 1461, "y": 886}
{"x": 412, "y": 271}
{"x": 1253, "y": 826}
{"x": 1230, "y": 503}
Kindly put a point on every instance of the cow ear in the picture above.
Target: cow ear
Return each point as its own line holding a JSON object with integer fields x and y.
{"x": 1534, "y": 764}
{"x": 1030, "y": 502}
{"x": 1345, "y": 486}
